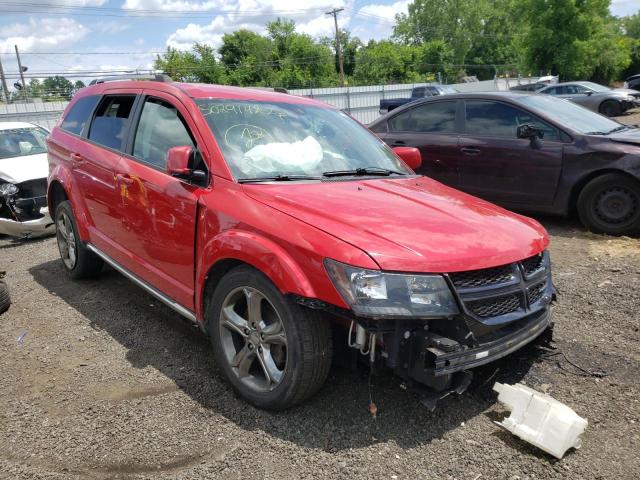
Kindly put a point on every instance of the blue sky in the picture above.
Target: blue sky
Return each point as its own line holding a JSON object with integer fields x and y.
{"x": 101, "y": 27}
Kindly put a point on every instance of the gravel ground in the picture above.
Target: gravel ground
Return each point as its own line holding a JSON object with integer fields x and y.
{"x": 100, "y": 381}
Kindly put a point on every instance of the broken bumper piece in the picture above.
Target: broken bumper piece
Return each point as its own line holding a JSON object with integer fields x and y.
{"x": 540, "y": 419}
{"x": 29, "y": 228}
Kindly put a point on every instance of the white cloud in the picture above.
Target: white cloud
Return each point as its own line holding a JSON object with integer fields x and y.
{"x": 387, "y": 12}
{"x": 252, "y": 15}
{"x": 42, "y": 35}
{"x": 378, "y": 20}
{"x": 211, "y": 34}
{"x": 111, "y": 26}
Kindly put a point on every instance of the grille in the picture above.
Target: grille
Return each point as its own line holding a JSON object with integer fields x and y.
{"x": 494, "y": 307}
{"x": 33, "y": 188}
{"x": 480, "y": 278}
{"x": 536, "y": 292}
{"x": 532, "y": 264}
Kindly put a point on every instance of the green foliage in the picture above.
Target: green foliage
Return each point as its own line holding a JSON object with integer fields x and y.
{"x": 387, "y": 62}
{"x": 576, "y": 39}
{"x": 57, "y": 88}
{"x": 573, "y": 38}
{"x": 198, "y": 65}
{"x": 456, "y": 22}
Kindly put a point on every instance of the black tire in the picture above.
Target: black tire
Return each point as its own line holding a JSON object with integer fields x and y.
{"x": 610, "y": 204}
{"x": 308, "y": 351}
{"x": 610, "y": 108}
{"x": 5, "y": 299}
{"x": 85, "y": 264}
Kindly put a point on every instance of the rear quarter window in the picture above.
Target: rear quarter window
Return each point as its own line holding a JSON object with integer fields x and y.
{"x": 79, "y": 114}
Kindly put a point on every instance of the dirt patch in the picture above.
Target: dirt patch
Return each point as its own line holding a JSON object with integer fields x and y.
{"x": 100, "y": 381}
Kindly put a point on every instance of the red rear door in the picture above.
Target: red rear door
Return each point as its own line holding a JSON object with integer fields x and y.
{"x": 93, "y": 164}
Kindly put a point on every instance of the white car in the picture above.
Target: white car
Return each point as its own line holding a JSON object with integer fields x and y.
{"x": 23, "y": 180}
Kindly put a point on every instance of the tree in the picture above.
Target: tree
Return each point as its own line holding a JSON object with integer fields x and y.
{"x": 387, "y": 62}
{"x": 456, "y": 22}
{"x": 575, "y": 39}
{"x": 349, "y": 45}
{"x": 246, "y": 56}
{"x": 57, "y": 88}
{"x": 631, "y": 26}
{"x": 34, "y": 88}
{"x": 298, "y": 60}
{"x": 197, "y": 65}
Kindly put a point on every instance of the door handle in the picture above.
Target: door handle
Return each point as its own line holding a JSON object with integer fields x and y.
{"x": 75, "y": 157}
{"x": 398, "y": 143}
{"x": 470, "y": 151}
{"x": 125, "y": 179}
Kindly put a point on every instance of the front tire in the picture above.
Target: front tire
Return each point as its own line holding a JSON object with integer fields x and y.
{"x": 611, "y": 204}
{"x": 274, "y": 353}
{"x": 610, "y": 108}
{"x": 78, "y": 261}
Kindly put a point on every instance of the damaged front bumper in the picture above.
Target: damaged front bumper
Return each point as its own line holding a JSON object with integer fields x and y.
{"x": 37, "y": 227}
{"x": 425, "y": 356}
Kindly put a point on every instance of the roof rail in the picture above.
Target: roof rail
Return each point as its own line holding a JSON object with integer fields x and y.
{"x": 157, "y": 77}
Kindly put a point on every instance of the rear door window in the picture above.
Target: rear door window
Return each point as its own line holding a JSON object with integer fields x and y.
{"x": 79, "y": 114}
{"x": 436, "y": 117}
{"x": 161, "y": 127}
{"x": 487, "y": 118}
{"x": 110, "y": 123}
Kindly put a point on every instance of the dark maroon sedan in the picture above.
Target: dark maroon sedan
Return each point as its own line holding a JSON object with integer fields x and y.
{"x": 526, "y": 152}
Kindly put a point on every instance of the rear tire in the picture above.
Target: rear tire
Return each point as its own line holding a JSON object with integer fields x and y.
{"x": 611, "y": 204}
{"x": 78, "y": 261}
{"x": 273, "y": 352}
{"x": 610, "y": 108}
{"x": 5, "y": 300}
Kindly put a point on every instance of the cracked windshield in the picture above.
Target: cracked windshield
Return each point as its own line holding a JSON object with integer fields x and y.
{"x": 266, "y": 140}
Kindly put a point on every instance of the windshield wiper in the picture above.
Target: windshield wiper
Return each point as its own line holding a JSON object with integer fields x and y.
{"x": 278, "y": 178}
{"x": 361, "y": 172}
{"x": 618, "y": 129}
{"x": 596, "y": 133}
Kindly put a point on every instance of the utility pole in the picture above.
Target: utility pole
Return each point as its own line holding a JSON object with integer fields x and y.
{"x": 24, "y": 85}
{"x": 334, "y": 12}
{"x": 5, "y": 91}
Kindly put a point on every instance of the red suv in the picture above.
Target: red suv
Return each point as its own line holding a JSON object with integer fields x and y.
{"x": 277, "y": 222}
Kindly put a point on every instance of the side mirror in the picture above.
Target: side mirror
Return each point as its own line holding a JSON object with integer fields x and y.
{"x": 530, "y": 131}
{"x": 180, "y": 161}
{"x": 589, "y": 93}
{"x": 410, "y": 155}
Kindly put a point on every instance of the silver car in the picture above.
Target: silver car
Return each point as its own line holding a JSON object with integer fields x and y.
{"x": 607, "y": 101}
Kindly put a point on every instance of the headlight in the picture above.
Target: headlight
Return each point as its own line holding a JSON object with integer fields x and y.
{"x": 8, "y": 189}
{"x": 373, "y": 293}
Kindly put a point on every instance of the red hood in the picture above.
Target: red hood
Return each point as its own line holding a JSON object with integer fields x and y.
{"x": 410, "y": 224}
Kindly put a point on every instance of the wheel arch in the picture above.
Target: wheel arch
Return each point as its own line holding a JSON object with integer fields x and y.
{"x": 232, "y": 249}
{"x": 56, "y": 194}
{"x": 584, "y": 181}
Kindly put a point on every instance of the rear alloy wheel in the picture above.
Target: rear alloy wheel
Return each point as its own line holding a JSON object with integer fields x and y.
{"x": 274, "y": 353}
{"x": 610, "y": 108}
{"x": 5, "y": 300}
{"x": 77, "y": 259}
{"x": 611, "y": 204}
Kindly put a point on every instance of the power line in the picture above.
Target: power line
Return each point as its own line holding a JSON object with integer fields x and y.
{"x": 134, "y": 14}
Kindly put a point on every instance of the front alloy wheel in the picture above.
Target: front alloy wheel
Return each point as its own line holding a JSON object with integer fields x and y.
{"x": 272, "y": 351}
{"x": 253, "y": 339}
